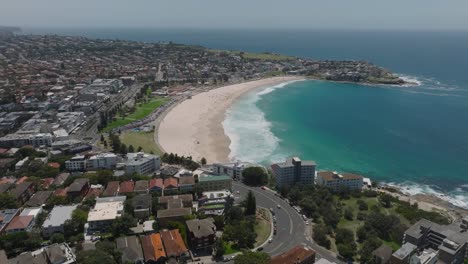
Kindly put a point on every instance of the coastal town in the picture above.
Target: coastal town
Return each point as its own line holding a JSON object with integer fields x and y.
{"x": 113, "y": 151}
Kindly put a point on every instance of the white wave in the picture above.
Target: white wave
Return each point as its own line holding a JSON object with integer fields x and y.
{"x": 410, "y": 80}
{"x": 457, "y": 197}
{"x": 247, "y": 128}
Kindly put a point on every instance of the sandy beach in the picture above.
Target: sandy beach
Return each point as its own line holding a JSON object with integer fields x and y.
{"x": 194, "y": 127}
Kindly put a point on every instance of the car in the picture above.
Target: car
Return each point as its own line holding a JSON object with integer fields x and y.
{"x": 238, "y": 192}
{"x": 260, "y": 249}
{"x": 263, "y": 188}
{"x": 270, "y": 240}
{"x": 279, "y": 206}
{"x": 307, "y": 222}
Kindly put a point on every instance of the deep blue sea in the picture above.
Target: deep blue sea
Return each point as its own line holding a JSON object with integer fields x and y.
{"x": 415, "y": 137}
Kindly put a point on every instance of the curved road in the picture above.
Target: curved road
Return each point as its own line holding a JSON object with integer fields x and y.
{"x": 291, "y": 228}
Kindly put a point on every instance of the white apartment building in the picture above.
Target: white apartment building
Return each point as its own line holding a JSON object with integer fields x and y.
{"x": 294, "y": 171}
{"x": 56, "y": 219}
{"x": 142, "y": 163}
{"x": 41, "y": 139}
{"x": 105, "y": 211}
{"x": 233, "y": 169}
{"x": 336, "y": 181}
{"x": 77, "y": 163}
{"x": 102, "y": 161}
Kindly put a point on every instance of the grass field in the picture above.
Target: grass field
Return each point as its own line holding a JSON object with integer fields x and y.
{"x": 142, "y": 111}
{"x": 228, "y": 249}
{"x": 143, "y": 139}
{"x": 263, "y": 227}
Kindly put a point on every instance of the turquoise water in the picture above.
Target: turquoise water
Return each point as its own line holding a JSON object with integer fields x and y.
{"x": 415, "y": 136}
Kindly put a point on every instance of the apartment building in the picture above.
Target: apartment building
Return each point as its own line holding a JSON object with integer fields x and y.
{"x": 105, "y": 211}
{"x": 337, "y": 181}
{"x": 294, "y": 171}
{"x": 142, "y": 163}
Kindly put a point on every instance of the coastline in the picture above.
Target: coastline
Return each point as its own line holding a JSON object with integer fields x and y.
{"x": 194, "y": 127}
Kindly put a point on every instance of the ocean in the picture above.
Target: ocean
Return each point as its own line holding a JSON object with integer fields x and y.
{"x": 415, "y": 137}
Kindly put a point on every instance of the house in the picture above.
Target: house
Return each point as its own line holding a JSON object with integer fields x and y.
{"x": 6, "y": 216}
{"x": 207, "y": 182}
{"x": 141, "y": 187}
{"x": 174, "y": 244}
{"x": 174, "y": 214}
{"x": 201, "y": 233}
{"x": 296, "y": 255}
{"x": 79, "y": 188}
{"x": 130, "y": 248}
{"x": 20, "y": 223}
{"x": 168, "y": 202}
{"x": 105, "y": 211}
{"x": 94, "y": 191}
{"x": 171, "y": 185}
{"x": 382, "y": 254}
{"x": 4, "y": 187}
{"x": 186, "y": 184}
{"x": 294, "y": 171}
{"x": 112, "y": 189}
{"x": 23, "y": 191}
{"x": 46, "y": 183}
{"x": 153, "y": 248}
{"x": 60, "y": 179}
{"x": 336, "y": 181}
{"x": 39, "y": 198}
{"x": 28, "y": 257}
{"x": 56, "y": 219}
{"x": 142, "y": 206}
{"x": 126, "y": 187}
{"x": 156, "y": 185}
{"x": 60, "y": 254}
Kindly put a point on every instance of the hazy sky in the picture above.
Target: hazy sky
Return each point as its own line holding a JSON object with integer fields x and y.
{"x": 341, "y": 14}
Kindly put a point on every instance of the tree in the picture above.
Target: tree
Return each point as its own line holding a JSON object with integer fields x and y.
{"x": 203, "y": 161}
{"x": 57, "y": 238}
{"x": 254, "y": 176}
{"x": 386, "y": 200}
{"x": 344, "y": 236}
{"x": 347, "y": 251}
{"x": 250, "y": 204}
{"x": 371, "y": 244}
{"x": 121, "y": 225}
{"x": 362, "y": 205}
{"x": 140, "y": 149}
{"x": 131, "y": 149}
{"x": 76, "y": 224}
{"x": 249, "y": 257}
{"x": 349, "y": 214}
{"x": 123, "y": 149}
{"x": 7, "y": 201}
{"x": 218, "y": 248}
{"x": 102, "y": 138}
{"x": 320, "y": 236}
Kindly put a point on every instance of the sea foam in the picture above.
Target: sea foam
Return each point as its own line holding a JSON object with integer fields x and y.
{"x": 247, "y": 128}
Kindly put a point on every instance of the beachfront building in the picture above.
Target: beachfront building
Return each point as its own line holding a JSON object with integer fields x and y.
{"x": 142, "y": 163}
{"x": 105, "y": 211}
{"x": 233, "y": 169}
{"x": 294, "y": 171}
{"x": 449, "y": 243}
{"x": 208, "y": 182}
{"x": 339, "y": 181}
{"x": 102, "y": 161}
{"x": 77, "y": 163}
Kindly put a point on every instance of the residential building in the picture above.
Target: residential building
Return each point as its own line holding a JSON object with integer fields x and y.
{"x": 60, "y": 179}
{"x": 156, "y": 185}
{"x": 56, "y": 219}
{"x": 174, "y": 214}
{"x": 403, "y": 254}
{"x": 23, "y": 191}
{"x": 112, "y": 189}
{"x": 233, "y": 169}
{"x": 294, "y": 171}
{"x": 6, "y": 216}
{"x": 20, "y": 223}
{"x": 102, "y": 161}
{"x": 39, "y": 198}
{"x": 131, "y": 250}
{"x": 186, "y": 183}
{"x": 60, "y": 254}
{"x": 207, "y": 182}
{"x": 21, "y": 163}
{"x": 296, "y": 255}
{"x": 174, "y": 244}
{"x": 141, "y": 187}
{"x": 213, "y": 203}
{"x": 382, "y": 254}
{"x": 171, "y": 185}
{"x": 77, "y": 163}
{"x": 176, "y": 201}
{"x": 41, "y": 139}
{"x": 142, "y": 206}
{"x": 126, "y": 187}
{"x": 141, "y": 163}
{"x": 450, "y": 241}
{"x": 338, "y": 181}
{"x": 105, "y": 211}
{"x": 153, "y": 248}
{"x": 201, "y": 234}
{"x": 78, "y": 188}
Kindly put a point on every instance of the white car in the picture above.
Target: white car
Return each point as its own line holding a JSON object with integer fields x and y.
{"x": 270, "y": 240}
{"x": 307, "y": 222}
{"x": 279, "y": 206}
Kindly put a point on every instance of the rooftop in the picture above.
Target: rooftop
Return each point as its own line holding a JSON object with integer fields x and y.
{"x": 20, "y": 222}
{"x": 201, "y": 227}
{"x": 39, "y": 198}
{"x": 333, "y": 175}
{"x": 107, "y": 208}
{"x": 59, "y": 215}
{"x": 176, "y": 212}
{"x": 294, "y": 255}
{"x": 290, "y": 162}
{"x": 153, "y": 247}
{"x": 173, "y": 243}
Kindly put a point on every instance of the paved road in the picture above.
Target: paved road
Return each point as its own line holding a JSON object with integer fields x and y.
{"x": 292, "y": 230}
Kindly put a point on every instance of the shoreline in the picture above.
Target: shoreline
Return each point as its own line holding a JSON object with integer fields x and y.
{"x": 193, "y": 127}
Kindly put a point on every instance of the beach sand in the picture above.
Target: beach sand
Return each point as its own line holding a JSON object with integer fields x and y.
{"x": 194, "y": 127}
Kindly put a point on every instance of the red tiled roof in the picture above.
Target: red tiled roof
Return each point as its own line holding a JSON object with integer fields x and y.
{"x": 2, "y": 150}
{"x": 126, "y": 187}
{"x": 22, "y": 179}
{"x": 61, "y": 192}
{"x": 153, "y": 248}
{"x": 156, "y": 183}
{"x": 297, "y": 254}
{"x": 170, "y": 183}
{"x": 173, "y": 243}
{"x": 112, "y": 189}
{"x": 20, "y": 222}
{"x": 55, "y": 165}
{"x": 47, "y": 182}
